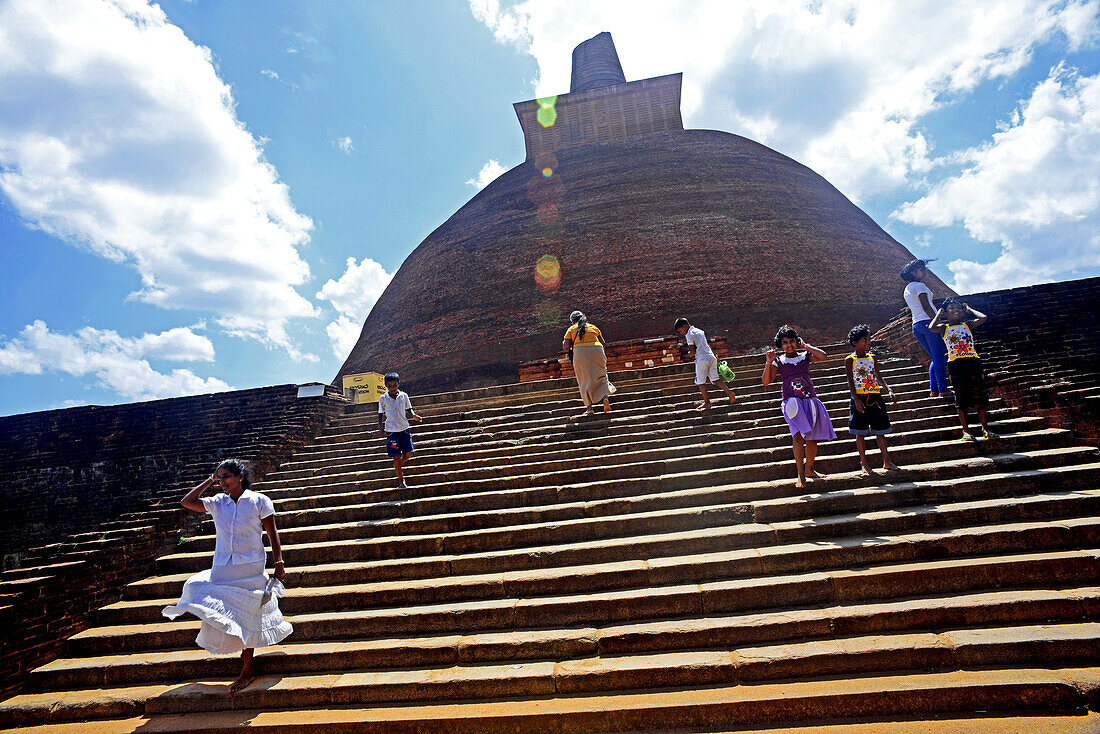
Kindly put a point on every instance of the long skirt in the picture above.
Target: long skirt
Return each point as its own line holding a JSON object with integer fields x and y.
{"x": 590, "y": 364}
{"x": 808, "y": 417}
{"x": 238, "y": 605}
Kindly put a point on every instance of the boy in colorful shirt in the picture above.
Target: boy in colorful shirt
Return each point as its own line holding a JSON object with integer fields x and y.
{"x": 394, "y": 413}
{"x": 706, "y": 363}
{"x": 955, "y": 320}
{"x": 867, "y": 410}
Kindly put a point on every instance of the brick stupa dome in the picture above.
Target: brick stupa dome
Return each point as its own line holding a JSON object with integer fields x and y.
{"x": 621, "y": 213}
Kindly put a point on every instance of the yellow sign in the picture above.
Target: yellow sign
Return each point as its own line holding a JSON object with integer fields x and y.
{"x": 364, "y": 388}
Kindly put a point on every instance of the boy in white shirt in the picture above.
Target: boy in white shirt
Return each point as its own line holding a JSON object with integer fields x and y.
{"x": 706, "y": 363}
{"x": 394, "y": 413}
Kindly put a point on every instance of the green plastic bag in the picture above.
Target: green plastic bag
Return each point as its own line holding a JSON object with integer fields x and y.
{"x": 725, "y": 372}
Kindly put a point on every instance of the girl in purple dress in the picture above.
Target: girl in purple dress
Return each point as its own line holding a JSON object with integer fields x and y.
{"x": 806, "y": 416}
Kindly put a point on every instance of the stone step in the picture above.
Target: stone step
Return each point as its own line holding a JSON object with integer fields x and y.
{"x": 670, "y": 515}
{"x": 997, "y": 608}
{"x": 358, "y": 467}
{"x": 373, "y": 571}
{"x": 1062, "y": 692}
{"x": 735, "y": 592}
{"x": 601, "y": 482}
{"x": 951, "y": 650}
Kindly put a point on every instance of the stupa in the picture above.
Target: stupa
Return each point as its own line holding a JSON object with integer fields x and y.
{"x": 620, "y": 212}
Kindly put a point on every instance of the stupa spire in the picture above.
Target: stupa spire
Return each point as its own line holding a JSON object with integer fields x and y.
{"x": 596, "y": 64}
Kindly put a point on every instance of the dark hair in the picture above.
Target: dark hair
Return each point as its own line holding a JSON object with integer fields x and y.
{"x": 681, "y": 322}
{"x": 859, "y": 332}
{"x": 909, "y": 272}
{"x": 238, "y": 468}
{"x": 785, "y": 332}
{"x": 952, "y": 301}
{"x": 581, "y": 321}
{"x": 391, "y": 377}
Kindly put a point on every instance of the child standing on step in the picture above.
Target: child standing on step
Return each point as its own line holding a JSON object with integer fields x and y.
{"x": 805, "y": 414}
{"x": 706, "y": 363}
{"x": 394, "y": 413}
{"x": 867, "y": 410}
{"x": 236, "y": 600}
{"x": 955, "y": 320}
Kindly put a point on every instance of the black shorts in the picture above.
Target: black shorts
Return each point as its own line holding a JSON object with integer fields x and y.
{"x": 968, "y": 382}
{"x": 873, "y": 421}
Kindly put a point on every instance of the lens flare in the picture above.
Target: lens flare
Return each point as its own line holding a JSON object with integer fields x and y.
{"x": 548, "y": 112}
{"x": 548, "y": 313}
{"x": 548, "y": 274}
{"x": 547, "y": 214}
{"x": 548, "y": 172}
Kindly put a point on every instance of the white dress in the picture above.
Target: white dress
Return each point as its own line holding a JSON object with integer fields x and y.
{"x": 236, "y": 600}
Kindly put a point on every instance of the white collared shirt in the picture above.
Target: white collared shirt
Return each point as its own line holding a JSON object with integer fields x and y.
{"x": 240, "y": 536}
{"x": 394, "y": 410}
{"x": 698, "y": 339}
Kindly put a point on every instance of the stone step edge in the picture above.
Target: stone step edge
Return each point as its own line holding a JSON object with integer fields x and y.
{"x": 877, "y": 654}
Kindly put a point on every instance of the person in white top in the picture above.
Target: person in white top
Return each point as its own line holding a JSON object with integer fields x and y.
{"x": 706, "y": 363}
{"x": 395, "y": 410}
{"x": 918, "y": 297}
{"x": 236, "y": 600}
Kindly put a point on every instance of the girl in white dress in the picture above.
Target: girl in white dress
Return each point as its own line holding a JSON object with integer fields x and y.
{"x": 236, "y": 600}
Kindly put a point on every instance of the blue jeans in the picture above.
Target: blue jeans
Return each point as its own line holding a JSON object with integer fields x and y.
{"x": 932, "y": 342}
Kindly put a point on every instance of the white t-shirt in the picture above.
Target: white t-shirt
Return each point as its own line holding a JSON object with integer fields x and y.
{"x": 696, "y": 338}
{"x": 912, "y": 300}
{"x": 240, "y": 536}
{"x": 394, "y": 410}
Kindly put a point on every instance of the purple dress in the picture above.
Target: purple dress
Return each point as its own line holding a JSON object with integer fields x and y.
{"x": 804, "y": 413}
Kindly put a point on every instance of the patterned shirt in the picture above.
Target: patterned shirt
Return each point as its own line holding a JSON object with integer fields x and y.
{"x": 960, "y": 342}
{"x": 864, "y": 375}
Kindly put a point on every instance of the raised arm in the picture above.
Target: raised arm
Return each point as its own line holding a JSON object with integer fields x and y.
{"x": 276, "y": 546}
{"x": 975, "y": 318}
{"x": 191, "y": 499}
{"x": 816, "y": 355}
{"x": 937, "y": 321}
{"x": 769, "y": 368}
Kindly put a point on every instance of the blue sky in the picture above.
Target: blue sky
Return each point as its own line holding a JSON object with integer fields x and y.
{"x": 182, "y": 185}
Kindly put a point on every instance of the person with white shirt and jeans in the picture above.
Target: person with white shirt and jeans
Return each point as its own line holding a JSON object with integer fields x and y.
{"x": 394, "y": 413}
{"x": 706, "y": 363}
{"x": 918, "y": 297}
{"x": 236, "y": 600}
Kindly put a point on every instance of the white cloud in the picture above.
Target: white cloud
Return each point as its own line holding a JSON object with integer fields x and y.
{"x": 353, "y": 296}
{"x": 1034, "y": 188}
{"x": 117, "y": 135}
{"x": 488, "y": 173}
{"x": 118, "y": 363}
{"x": 270, "y": 74}
{"x": 839, "y": 85}
{"x": 345, "y": 144}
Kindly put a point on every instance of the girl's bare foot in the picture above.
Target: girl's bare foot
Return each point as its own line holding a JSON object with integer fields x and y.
{"x": 703, "y": 406}
{"x": 865, "y": 470}
{"x": 890, "y": 466}
{"x": 800, "y": 484}
{"x": 814, "y": 474}
{"x": 244, "y": 680}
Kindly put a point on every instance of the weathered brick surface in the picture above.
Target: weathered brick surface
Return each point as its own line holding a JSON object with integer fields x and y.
{"x": 694, "y": 223}
{"x": 90, "y": 498}
{"x": 625, "y": 355}
{"x": 1042, "y": 340}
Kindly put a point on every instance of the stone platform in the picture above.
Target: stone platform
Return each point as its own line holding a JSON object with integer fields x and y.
{"x": 655, "y": 570}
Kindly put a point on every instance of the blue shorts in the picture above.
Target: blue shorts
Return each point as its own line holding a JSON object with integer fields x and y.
{"x": 399, "y": 443}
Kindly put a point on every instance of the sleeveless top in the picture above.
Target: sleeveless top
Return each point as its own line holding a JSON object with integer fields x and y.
{"x": 795, "y": 373}
{"x": 864, "y": 376}
{"x": 960, "y": 342}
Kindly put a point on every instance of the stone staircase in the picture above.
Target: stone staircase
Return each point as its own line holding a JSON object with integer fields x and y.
{"x": 657, "y": 570}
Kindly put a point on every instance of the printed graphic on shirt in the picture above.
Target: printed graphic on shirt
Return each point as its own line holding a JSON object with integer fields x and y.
{"x": 960, "y": 342}
{"x": 863, "y": 374}
{"x": 799, "y": 389}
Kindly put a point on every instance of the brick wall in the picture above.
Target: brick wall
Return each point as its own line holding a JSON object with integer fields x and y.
{"x": 1040, "y": 347}
{"x": 91, "y": 493}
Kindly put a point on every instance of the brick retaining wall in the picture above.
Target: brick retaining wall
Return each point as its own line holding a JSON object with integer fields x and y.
{"x": 623, "y": 355}
{"x": 91, "y": 497}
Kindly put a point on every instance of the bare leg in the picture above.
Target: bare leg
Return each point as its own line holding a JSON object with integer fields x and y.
{"x": 965, "y": 420}
{"x": 724, "y": 386}
{"x": 799, "y": 447}
{"x": 811, "y": 454}
{"x": 244, "y": 680}
{"x": 886, "y": 463}
{"x": 861, "y": 447}
{"x": 706, "y": 398}
{"x": 398, "y": 466}
{"x": 606, "y": 405}
{"x": 983, "y": 418}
